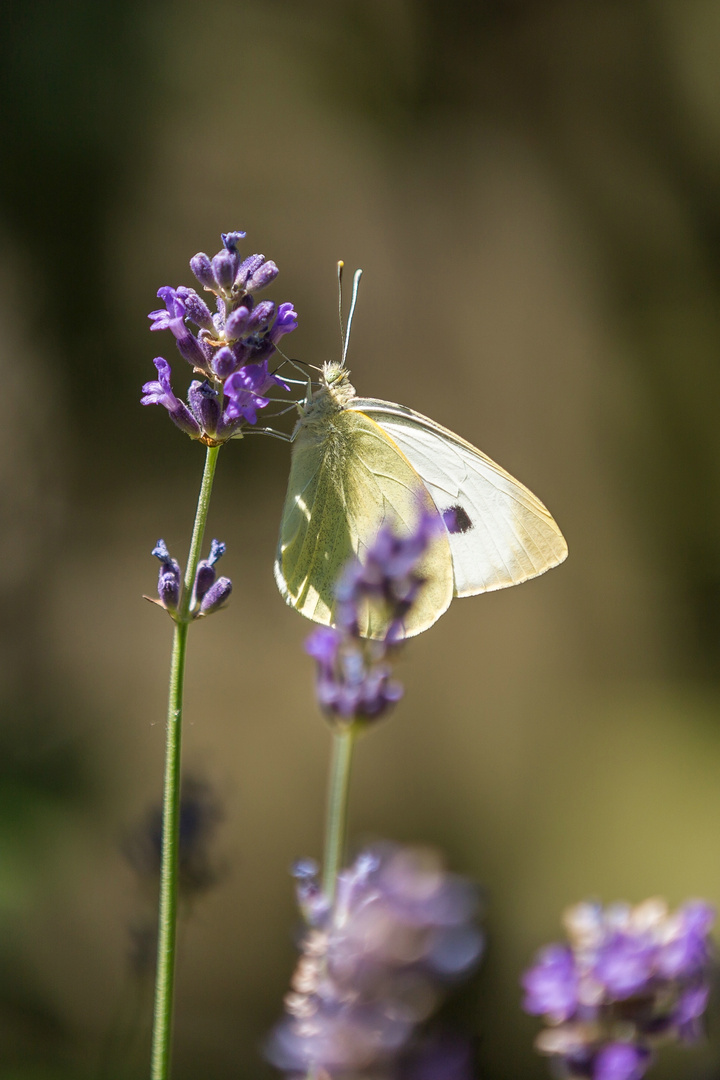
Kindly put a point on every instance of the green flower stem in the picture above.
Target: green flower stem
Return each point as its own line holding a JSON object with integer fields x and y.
{"x": 162, "y": 1023}
{"x": 336, "y": 820}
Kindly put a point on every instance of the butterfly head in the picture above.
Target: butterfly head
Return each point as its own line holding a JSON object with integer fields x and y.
{"x": 336, "y": 385}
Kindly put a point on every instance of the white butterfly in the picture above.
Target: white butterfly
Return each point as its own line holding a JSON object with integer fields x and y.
{"x": 358, "y": 463}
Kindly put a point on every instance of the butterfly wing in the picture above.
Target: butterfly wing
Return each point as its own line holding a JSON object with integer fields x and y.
{"x": 504, "y": 534}
{"x": 348, "y": 479}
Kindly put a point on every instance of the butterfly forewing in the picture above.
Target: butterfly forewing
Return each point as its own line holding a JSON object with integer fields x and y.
{"x": 348, "y": 479}
{"x": 503, "y": 533}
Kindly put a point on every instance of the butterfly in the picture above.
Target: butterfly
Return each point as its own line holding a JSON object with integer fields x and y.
{"x": 359, "y": 463}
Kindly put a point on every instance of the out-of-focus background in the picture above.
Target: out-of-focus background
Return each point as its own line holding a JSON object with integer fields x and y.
{"x": 532, "y": 189}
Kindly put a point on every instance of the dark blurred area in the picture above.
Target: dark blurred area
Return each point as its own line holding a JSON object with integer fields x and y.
{"x": 531, "y": 188}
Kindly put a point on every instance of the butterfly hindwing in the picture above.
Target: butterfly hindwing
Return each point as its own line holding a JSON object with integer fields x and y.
{"x": 503, "y": 533}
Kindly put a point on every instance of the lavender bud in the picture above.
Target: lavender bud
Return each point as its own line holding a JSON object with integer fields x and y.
{"x": 262, "y": 277}
{"x": 247, "y": 267}
{"x": 205, "y": 573}
{"x": 196, "y": 309}
{"x": 224, "y": 362}
{"x": 217, "y": 595}
{"x": 205, "y": 406}
{"x": 224, "y": 266}
{"x": 190, "y": 349}
{"x": 201, "y": 267}
{"x": 237, "y": 322}
{"x": 261, "y": 317}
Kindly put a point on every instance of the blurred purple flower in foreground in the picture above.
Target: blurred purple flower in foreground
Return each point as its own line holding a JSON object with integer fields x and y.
{"x": 628, "y": 977}
{"x": 353, "y": 676}
{"x": 374, "y": 965}
{"x": 229, "y": 348}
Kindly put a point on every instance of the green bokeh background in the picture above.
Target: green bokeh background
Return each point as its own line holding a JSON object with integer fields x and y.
{"x": 532, "y": 189}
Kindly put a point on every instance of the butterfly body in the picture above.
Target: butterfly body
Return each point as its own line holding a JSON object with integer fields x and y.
{"x": 359, "y": 463}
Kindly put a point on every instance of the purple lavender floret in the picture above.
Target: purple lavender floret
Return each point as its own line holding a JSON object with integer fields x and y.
{"x": 246, "y": 389}
{"x": 551, "y": 986}
{"x": 628, "y": 977}
{"x": 230, "y": 348}
{"x": 160, "y": 392}
{"x": 354, "y": 679}
{"x": 373, "y": 963}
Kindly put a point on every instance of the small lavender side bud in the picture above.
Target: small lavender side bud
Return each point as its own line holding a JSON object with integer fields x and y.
{"x": 169, "y": 577}
{"x": 216, "y": 596}
{"x": 205, "y": 573}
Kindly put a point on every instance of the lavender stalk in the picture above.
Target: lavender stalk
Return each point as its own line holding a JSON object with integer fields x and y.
{"x": 386, "y": 934}
{"x": 167, "y": 917}
{"x": 230, "y": 350}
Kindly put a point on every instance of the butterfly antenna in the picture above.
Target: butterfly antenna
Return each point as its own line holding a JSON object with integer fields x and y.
{"x": 340, "y": 268}
{"x": 353, "y": 302}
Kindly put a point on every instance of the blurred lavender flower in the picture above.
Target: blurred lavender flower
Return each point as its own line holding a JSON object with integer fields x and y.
{"x": 353, "y": 676}
{"x": 375, "y": 963}
{"x": 628, "y": 977}
{"x": 200, "y": 814}
{"x": 210, "y": 592}
{"x": 229, "y": 348}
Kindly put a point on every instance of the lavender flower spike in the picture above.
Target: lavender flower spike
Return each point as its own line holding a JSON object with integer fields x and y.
{"x": 229, "y": 348}
{"x": 375, "y": 964}
{"x": 627, "y": 977}
{"x": 354, "y": 680}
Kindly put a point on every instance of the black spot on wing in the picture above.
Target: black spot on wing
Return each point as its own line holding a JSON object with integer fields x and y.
{"x": 457, "y": 519}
